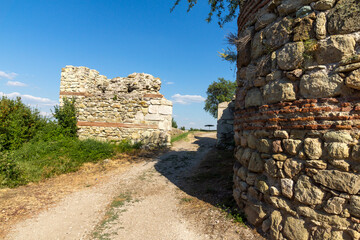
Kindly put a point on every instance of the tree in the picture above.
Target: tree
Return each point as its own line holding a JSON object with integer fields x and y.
{"x": 173, "y": 123}
{"x": 225, "y": 10}
{"x": 218, "y": 92}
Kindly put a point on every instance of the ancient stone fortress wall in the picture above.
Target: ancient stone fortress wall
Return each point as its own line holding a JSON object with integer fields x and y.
{"x": 297, "y": 118}
{"x": 119, "y": 108}
{"x": 225, "y": 125}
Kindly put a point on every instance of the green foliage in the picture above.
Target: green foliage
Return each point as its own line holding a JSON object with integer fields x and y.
{"x": 18, "y": 123}
{"x": 182, "y": 128}
{"x": 225, "y": 10}
{"x": 179, "y": 137}
{"x": 126, "y": 146}
{"x": 228, "y": 55}
{"x": 34, "y": 148}
{"x": 218, "y": 92}
{"x": 173, "y": 123}
{"x": 66, "y": 117}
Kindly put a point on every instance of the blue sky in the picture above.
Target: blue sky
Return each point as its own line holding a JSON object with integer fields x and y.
{"x": 117, "y": 38}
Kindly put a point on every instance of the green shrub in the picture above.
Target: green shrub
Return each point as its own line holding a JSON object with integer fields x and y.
{"x": 173, "y": 123}
{"x": 66, "y": 117}
{"x": 18, "y": 123}
{"x": 10, "y": 174}
{"x": 126, "y": 146}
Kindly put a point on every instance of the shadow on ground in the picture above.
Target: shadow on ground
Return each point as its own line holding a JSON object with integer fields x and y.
{"x": 205, "y": 174}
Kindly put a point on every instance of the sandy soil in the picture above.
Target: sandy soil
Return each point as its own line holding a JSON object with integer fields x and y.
{"x": 150, "y": 199}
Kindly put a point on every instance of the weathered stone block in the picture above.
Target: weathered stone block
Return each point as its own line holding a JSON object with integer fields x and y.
{"x": 337, "y": 150}
{"x": 264, "y": 145}
{"x": 354, "y": 206}
{"x": 338, "y": 136}
{"x": 312, "y": 148}
{"x": 334, "y": 205}
{"x": 353, "y": 80}
{"x": 323, "y": 5}
{"x": 341, "y": 181}
{"x": 278, "y": 33}
{"x": 292, "y": 146}
{"x": 292, "y": 167}
{"x": 253, "y": 98}
{"x": 275, "y": 225}
{"x": 256, "y": 164}
{"x": 294, "y": 229}
{"x": 344, "y": 17}
{"x": 306, "y": 192}
{"x": 278, "y": 91}
{"x": 334, "y": 49}
{"x": 290, "y": 57}
{"x": 287, "y": 187}
{"x": 320, "y": 26}
{"x": 319, "y": 85}
{"x": 255, "y": 214}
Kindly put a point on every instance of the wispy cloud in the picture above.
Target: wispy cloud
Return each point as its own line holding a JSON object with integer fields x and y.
{"x": 16, "y": 84}
{"x": 169, "y": 83}
{"x": 187, "y": 99}
{"x": 29, "y": 99}
{"x": 7, "y": 75}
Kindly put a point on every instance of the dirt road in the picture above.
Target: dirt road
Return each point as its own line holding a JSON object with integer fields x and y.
{"x": 147, "y": 201}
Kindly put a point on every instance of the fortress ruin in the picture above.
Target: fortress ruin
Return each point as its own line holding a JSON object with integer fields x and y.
{"x": 297, "y": 118}
{"x": 119, "y": 108}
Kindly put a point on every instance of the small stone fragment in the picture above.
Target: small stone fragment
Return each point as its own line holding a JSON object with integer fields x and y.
{"x": 276, "y": 146}
{"x": 281, "y": 134}
{"x": 312, "y": 148}
{"x": 274, "y": 191}
{"x": 354, "y": 207}
{"x": 338, "y": 136}
{"x": 287, "y": 187}
{"x": 279, "y": 157}
{"x": 334, "y": 205}
{"x": 323, "y": 5}
{"x": 292, "y": 146}
{"x": 292, "y": 167}
{"x": 271, "y": 168}
{"x": 264, "y": 146}
{"x": 319, "y": 164}
{"x": 294, "y": 75}
{"x": 320, "y": 26}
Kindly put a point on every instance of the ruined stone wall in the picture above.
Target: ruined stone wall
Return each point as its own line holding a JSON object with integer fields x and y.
{"x": 225, "y": 125}
{"x": 119, "y": 108}
{"x": 297, "y": 118}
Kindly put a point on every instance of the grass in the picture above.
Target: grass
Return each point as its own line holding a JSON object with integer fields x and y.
{"x": 40, "y": 159}
{"x": 111, "y": 215}
{"x": 180, "y": 137}
{"x": 232, "y": 213}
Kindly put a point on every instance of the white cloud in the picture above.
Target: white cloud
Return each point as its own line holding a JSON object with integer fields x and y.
{"x": 46, "y": 114}
{"x": 169, "y": 83}
{"x": 187, "y": 99}
{"x": 16, "y": 84}
{"x": 7, "y": 75}
{"x": 29, "y": 99}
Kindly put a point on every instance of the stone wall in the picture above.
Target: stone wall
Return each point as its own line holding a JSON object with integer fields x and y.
{"x": 119, "y": 108}
{"x": 225, "y": 125}
{"x": 297, "y": 118}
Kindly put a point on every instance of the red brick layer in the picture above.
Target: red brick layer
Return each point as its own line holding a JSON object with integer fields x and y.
{"x": 311, "y": 114}
{"x": 121, "y": 125}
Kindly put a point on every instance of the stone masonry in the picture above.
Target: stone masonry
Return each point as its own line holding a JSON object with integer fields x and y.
{"x": 119, "y": 108}
{"x": 225, "y": 125}
{"x": 297, "y": 118}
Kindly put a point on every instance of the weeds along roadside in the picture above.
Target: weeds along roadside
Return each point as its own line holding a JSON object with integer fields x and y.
{"x": 33, "y": 147}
